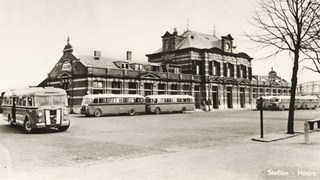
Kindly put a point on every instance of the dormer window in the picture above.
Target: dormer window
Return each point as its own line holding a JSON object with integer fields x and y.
{"x": 124, "y": 66}
{"x": 138, "y": 67}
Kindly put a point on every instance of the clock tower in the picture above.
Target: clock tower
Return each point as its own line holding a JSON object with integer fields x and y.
{"x": 227, "y": 43}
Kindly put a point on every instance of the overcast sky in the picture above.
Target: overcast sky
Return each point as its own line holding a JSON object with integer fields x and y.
{"x": 34, "y": 32}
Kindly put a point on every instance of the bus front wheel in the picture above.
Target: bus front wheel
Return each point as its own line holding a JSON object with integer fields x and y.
{"x": 131, "y": 112}
{"x": 97, "y": 113}
{"x": 157, "y": 111}
{"x": 183, "y": 109}
{"x": 282, "y": 108}
{"x": 63, "y": 128}
{"x": 27, "y": 125}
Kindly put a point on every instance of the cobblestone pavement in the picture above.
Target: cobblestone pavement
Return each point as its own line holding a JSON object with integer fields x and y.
{"x": 94, "y": 141}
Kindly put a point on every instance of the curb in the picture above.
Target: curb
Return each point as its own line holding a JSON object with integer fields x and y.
{"x": 276, "y": 137}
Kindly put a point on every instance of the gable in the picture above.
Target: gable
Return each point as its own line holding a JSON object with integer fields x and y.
{"x": 149, "y": 75}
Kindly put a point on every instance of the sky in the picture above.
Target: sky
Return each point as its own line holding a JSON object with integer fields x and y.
{"x": 33, "y": 33}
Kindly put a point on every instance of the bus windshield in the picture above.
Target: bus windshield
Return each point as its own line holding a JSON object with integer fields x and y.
{"x": 51, "y": 101}
{"x": 86, "y": 101}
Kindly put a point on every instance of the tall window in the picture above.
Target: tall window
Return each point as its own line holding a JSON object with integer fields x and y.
{"x": 97, "y": 87}
{"x": 148, "y": 89}
{"x": 132, "y": 88}
{"x": 211, "y": 67}
{"x": 174, "y": 89}
{"x": 116, "y": 88}
{"x": 161, "y": 88}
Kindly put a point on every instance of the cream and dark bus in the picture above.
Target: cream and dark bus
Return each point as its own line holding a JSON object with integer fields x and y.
{"x": 169, "y": 103}
{"x": 103, "y": 104}
{"x": 36, "y": 107}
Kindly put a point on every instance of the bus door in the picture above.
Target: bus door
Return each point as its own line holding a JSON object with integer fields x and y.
{"x": 13, "y": 110}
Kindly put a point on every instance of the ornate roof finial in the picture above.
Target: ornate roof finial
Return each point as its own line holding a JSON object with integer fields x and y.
{"x": 188, "y": 24}
{"x": 68, "y": 40}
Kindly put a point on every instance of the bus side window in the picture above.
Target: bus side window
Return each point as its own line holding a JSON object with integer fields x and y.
{"x": 155, "y": 100}
{"x": 102, "y": 100}
{"x": 29, "y": 102}
{"x": 24, "y": 101}
{"x": 95, "y": 101}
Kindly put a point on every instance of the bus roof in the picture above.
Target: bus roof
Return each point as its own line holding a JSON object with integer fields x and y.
{"x": 169, "y": 96}
{"x": 308, "y": 97}
{"x": 41, "y": 91}
{"x": 266, "y": 97}
{"x": 113, "y": 96}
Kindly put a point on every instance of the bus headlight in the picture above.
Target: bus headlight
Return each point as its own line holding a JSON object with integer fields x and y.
{"x": 39, "y": 114}
{"x": 65, "y": 113}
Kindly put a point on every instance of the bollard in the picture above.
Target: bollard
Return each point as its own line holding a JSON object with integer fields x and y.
{"x": 261, "y": 117}
{"x": 306, "y": 133}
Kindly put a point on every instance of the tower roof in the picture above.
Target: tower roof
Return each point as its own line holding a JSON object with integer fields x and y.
{"x": 68, "y": 47}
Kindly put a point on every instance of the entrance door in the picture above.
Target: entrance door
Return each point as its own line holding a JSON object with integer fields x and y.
{"x": 13, "y": 110}
{"x": 197, "y": 99}
{"x": 242, "y": 98}
{"x": 229, "y": 97}
{"x": 215, "y": 99}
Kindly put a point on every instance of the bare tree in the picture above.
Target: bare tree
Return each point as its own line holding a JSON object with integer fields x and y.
{"x": 292, "y": 26}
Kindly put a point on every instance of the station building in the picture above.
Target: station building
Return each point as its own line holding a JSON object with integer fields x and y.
{"x": 202, "y": 65}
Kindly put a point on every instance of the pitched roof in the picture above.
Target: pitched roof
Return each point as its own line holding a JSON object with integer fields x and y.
{"x": 196, "y": 40}
{"x": 104, "y": 62}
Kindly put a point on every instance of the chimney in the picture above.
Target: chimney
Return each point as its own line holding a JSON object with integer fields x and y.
{"x": 129, "y": 55}
{"x": 97, "y": 55}
{"x": 175, "y": 32}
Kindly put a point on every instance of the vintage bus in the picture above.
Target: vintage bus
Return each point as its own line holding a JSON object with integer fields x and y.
{"x": 102, "y": 104}
{"x": 37, "y": 107}
{"x": 307, "y": 102}
{"x": 266, "y": 102}
{"x": 283, "y": 103}
{"x": 169, "y": 103}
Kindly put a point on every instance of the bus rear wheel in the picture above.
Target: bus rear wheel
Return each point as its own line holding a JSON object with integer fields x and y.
{"x": 157, "y": 111}
{"x": 131, "y": 112}
{"x": 282, "y": 108}
{"x": 97, "y": 113}
{"x": 27, "y": 126}
{"x": 183, "y": 109}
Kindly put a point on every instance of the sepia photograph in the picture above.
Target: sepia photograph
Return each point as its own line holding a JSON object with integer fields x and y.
{"x": 159, "y": 89}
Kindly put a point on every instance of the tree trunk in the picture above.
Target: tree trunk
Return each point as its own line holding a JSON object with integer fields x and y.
{"x": 294, "y": 81}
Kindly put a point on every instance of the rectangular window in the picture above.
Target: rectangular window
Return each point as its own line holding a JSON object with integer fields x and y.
{"x": 97, "y": 84}
{"x": 97, "y": 91}
{"x": 132, "y": 85}
{"x": 116, "y": 85}
{"x": 186, "y": 87}
{"x": 116, "y": 91}
{"x": 174, "y": 87}
{"x": 211, "y": 67}
{"x": 148, "y": 86}
{"x": 161, "y": 86}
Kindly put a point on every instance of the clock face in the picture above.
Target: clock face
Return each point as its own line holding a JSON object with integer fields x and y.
{"x": 227, "y": 46}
